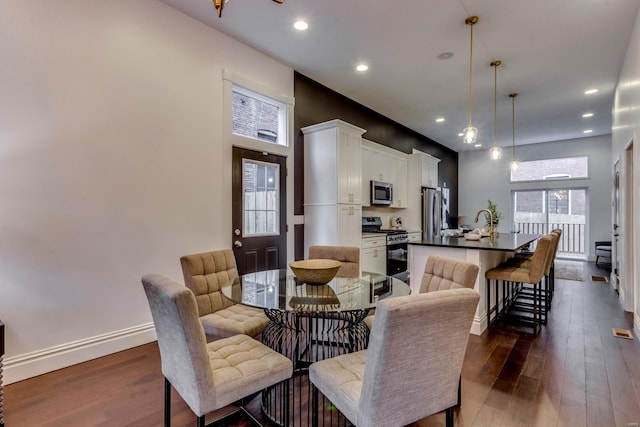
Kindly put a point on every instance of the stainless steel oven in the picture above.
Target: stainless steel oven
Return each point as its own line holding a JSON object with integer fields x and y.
{"x": 397, "y": 255}
{"x": 397, "y": 247}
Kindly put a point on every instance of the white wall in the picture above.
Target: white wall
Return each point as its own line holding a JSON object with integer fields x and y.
{"x": 481, "y": 179}
{"x": 111, "y": 152}
{"x": 626, "y": 129}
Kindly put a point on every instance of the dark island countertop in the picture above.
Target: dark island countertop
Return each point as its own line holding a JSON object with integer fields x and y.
{"x": 504, "y": 242}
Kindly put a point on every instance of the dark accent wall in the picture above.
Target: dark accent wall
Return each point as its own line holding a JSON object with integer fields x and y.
{"x": 316, "y": 103}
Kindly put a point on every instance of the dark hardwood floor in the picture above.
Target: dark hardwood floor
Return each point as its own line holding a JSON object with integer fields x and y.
{"x": 574, "y": 373}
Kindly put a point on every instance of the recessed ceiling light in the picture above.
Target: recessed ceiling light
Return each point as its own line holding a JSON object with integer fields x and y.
{"x": 588, "y": 131}
{"x": 300, "y": 25}
{"x": 362, "y": 67}
{"x": 440, "y": 119}
{"x": 460, "y": 134}
{"x": 585, "y": 115}
{"x": 478, "y": 145}
{"x": 445, "y": 55}
{"x": 591, "y": 91}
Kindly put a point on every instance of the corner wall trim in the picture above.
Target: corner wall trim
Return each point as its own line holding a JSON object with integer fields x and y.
{"x": 21, "y": 367}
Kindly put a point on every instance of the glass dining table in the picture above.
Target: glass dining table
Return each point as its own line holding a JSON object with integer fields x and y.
{"x": 308, "y": 323}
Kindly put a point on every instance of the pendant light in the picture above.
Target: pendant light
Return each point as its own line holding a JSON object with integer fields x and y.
{"x": 495, "y": 153}
{"x": 219, "y": 4}
{"x": 470, "y": 134}
{"x": 514, "y": 163}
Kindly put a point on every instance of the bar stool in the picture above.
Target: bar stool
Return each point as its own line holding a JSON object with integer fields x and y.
{"x": 513, "y": 278}
{"x": 524, "y": 260}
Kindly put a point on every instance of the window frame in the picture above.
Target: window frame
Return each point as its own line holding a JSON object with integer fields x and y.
{"x": 558, "y": 179}
{"x": 230, "y": 80}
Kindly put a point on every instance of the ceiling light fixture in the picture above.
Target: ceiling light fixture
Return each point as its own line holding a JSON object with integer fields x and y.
{"x": 362, "y": 67}
{"x": 219, "y": 4}
{"x": 440, "y": 119}
{"x": 585, "y": 115}
{"x": 591, "y": 91}
{"x": 300, "y": 25}
{"x": 470, "y": 134}
{"x": 588, "y": 131}
{"x": 514, "y": 163}
{"x": 495, "y": 153}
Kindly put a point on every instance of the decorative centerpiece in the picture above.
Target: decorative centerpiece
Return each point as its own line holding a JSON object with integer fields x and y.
{"x": 315, "y": 271}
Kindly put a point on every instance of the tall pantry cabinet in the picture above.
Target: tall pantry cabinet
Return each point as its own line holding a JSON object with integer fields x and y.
{"x": 332, "y": 184}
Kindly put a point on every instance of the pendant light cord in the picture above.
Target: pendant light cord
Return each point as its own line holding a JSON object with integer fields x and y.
{"x": 495, "y": 97}
{"x": 513, "y": 127}
{"x": 470, "y": 74}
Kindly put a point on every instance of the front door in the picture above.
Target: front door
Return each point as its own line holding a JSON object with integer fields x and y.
{"x": 259, "y": 210}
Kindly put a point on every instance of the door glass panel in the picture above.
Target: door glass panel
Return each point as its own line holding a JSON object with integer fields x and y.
{"x": 261, "y": 201}
{"x": 541, "y": 211}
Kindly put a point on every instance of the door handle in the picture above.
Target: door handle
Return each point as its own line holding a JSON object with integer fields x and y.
{"x": 237, "y": 244}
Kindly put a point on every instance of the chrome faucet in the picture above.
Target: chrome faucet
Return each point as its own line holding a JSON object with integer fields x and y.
{"x": 492, "y": 230}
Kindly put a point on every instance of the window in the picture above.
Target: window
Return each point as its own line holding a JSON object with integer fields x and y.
{"x": 552, "y": 169}
{"x": 261, "y": 187}
{"x": 257, "y": 116}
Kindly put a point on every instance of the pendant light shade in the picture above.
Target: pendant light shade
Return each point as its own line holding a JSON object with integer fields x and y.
{"x": 470, "y": 133}
{"x": 514, "y": 162}
{"x": 495, "y": 153}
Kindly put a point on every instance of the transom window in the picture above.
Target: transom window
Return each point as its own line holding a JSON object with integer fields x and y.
{"x": 552, "y": 169}
{"x": 257, "y": 116}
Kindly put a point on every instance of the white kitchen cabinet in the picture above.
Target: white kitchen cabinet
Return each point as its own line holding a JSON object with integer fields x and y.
{"x": 381, "y": 163}
{"x": 426, "y": 167}
{"x": 400, "y": 196}
{"x": 332, "y": 225}
{"x": 415, "y": 236}
{"x": 373, "y": 255}
{"x": 332, "y": 184}
{"x": 367, "y": 173}
{"x": 332, "y": 163}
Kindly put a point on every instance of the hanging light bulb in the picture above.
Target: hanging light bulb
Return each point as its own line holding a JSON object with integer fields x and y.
{"x": 495, "y": 152}
{"x": 470, "y": 133}
{"x": 514, "y": 163}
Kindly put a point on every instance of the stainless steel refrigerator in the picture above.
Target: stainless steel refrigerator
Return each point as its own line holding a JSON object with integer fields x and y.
{"x": 431, "y": 213}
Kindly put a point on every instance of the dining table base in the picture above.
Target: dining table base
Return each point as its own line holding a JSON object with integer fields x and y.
{"x": 307, "y": 337}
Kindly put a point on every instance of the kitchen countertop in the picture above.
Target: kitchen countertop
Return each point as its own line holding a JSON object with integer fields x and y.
{"x": 504, "y": 242}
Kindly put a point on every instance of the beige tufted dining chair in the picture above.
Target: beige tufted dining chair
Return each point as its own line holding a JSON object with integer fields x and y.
{"x": 349, "y": 256}
{"x": 441, "y": 273}
{"x": 407, "y": 373}
{"x": 207, "y": 376}
{"x": 204, "y": 274}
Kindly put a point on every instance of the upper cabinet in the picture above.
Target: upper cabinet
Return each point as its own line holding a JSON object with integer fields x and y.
{"x": 332, "y": 184}
{"x": 333, "y": 163}
{"x": 426, "y": 167}
{"x": 381, "y": 163}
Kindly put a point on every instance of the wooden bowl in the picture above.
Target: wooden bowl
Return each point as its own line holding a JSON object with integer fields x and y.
{"x": 315, "y": 271}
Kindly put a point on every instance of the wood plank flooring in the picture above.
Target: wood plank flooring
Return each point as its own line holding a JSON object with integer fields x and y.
{"x": 574, "y": 373}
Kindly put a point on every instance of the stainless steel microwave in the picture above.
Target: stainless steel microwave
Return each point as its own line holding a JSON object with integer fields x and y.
{"x": 381, "y": 193}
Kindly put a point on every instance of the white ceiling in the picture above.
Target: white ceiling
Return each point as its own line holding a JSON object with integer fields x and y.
{"x": 551, "y": 51}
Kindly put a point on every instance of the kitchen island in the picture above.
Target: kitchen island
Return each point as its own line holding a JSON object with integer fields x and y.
{"x": 485, "y": 253}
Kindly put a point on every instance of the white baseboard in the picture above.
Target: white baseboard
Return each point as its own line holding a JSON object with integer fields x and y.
{"x": 21, "y": 367}
{"x": 479, "y": 324}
